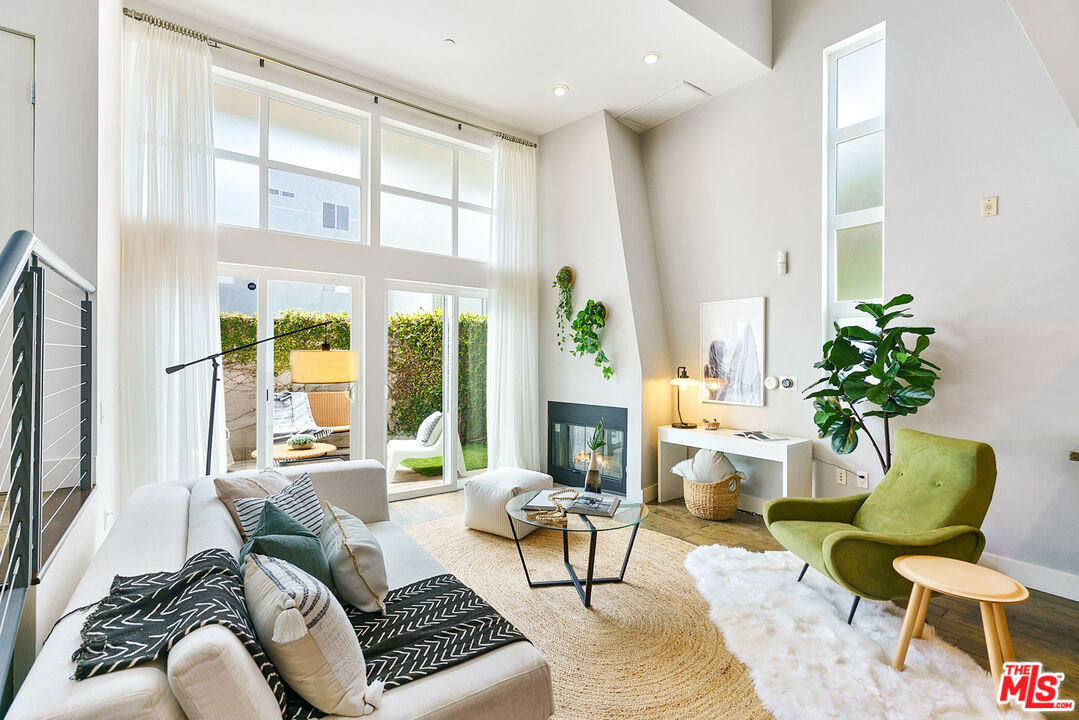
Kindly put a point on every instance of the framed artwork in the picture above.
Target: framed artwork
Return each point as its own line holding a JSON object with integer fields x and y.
{"x": 732, "y": 351}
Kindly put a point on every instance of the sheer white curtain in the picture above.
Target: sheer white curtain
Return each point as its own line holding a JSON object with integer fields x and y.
{"x": 512, "y": 347}
{"x": 168, "y": 290}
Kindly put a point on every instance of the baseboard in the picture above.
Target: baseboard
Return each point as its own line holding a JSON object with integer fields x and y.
{"x": 1054, "y": 582}
{"x": 650, "y": 493}
{"x": 751, "y": 504}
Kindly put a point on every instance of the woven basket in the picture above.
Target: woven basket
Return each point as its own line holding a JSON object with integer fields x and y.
{"x": 713, "y": 501}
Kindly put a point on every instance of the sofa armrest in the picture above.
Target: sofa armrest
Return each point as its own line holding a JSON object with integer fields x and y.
{"x": 356, "y": 486}
{"x": 837, "y": 509}
{"x": 861, "y": 560}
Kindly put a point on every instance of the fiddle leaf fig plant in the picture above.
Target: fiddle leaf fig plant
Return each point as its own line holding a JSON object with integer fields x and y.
{"x": 563, "y": 312}
{"x": 875, "y": 369}
{"x": 585, "y": 339}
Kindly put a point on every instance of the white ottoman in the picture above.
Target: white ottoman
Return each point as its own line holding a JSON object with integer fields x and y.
{"x": 486, "y": 496}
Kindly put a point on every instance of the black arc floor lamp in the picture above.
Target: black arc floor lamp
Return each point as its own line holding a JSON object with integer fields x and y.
{"x": 213, "y": 383}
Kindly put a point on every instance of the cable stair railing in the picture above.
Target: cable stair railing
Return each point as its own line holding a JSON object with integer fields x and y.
{"x": 46, "y": 450}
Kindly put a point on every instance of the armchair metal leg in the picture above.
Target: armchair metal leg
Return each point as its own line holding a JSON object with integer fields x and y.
{"x": 803, "y": 573}
{"x": 853, "y": 608}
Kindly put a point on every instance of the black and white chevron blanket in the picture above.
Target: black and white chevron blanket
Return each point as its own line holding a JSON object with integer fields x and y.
{"x": 429, "y": 625}
{"x": 143, "y": 616}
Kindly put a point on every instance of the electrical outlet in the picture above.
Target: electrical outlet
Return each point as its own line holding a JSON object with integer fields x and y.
{"x": 788, "y": 383}
{"x": 863, "y": 480}
{"x": 989, "y": 206}
{"x": 840, "y": 476}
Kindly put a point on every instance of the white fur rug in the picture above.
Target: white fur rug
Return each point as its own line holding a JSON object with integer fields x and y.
{"x": 806, "y": 662}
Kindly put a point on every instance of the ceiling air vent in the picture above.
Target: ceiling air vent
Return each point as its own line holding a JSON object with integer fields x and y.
{"x": 663, "y": 107}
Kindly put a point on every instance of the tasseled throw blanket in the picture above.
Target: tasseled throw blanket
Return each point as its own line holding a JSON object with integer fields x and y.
{"x": 143, "y": 616}
{"x": 429, "y": 625}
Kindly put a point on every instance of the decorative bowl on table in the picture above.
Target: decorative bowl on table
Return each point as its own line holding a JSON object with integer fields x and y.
{"x": 301, "y": 442}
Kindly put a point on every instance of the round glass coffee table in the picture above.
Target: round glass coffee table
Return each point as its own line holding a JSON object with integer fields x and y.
{"x": 629, "y": 514}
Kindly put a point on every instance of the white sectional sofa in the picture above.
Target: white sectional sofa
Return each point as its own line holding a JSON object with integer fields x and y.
{"x": 209, "y": 675}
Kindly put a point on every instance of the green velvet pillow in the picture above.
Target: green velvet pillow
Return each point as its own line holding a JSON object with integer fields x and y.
{"x": 279, "y": 536}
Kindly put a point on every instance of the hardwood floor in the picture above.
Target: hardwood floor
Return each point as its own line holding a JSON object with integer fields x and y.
{"x": 1045, "y": 628}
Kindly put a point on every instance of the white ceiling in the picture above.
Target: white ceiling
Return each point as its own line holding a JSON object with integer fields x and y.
{"x": 508, "y": 55}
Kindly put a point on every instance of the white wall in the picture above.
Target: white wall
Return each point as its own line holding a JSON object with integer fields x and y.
{"x": 66, "y": 218}
{"x": 594, "y": 217}
{"x": 970, "y": 113}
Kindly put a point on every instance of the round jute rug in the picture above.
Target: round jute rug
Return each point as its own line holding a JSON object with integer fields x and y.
{"x": 645, "y": 650}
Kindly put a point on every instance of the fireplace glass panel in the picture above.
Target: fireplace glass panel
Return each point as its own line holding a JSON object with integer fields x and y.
{"x": 571, "y": 451}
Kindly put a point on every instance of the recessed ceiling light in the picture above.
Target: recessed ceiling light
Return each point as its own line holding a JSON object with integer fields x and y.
{"x": 560, "y": 90}
{"x": 449, "y": 42}
{"x": 651, "y": 58}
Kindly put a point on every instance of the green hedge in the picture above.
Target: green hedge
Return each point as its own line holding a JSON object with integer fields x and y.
{"x": 414, "y": 366}
{"x": 414, "y": 361}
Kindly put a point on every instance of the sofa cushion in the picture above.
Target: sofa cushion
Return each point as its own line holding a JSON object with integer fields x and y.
{"x": 209, "y": 523}
{"x": 50, "y": 691}
{"x": 308, "y": 636}
{"x": 513, "y": 681}
{"x": 356, "y": 562}
{"x": 232, "y": 487}
{"x": 281, "y": 537}
{"x": 150, "y": 534}
{"x": 298, "y": 500}
{"x": 214, "y": 677}
{"x": 406, "y": 560}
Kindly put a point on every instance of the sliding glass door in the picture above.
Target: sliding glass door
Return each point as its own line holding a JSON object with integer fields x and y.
{"x": 436, "y": 385}
{"x": 305, "y": 383}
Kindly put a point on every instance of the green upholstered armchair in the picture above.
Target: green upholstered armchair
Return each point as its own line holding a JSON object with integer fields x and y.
{"x": 931, "y": 502}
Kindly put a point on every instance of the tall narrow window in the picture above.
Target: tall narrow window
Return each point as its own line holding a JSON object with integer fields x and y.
{"x": 854, "y": 181}
{"x": 436, "y": 195}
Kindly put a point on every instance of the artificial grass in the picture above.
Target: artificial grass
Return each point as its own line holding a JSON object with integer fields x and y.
{"x": 475, "y": 459}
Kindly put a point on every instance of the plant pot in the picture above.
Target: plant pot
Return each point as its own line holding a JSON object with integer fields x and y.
{"x": 572, "y": 276}
{"x": 305, "y": 446}
{"x": 592, "y": 479}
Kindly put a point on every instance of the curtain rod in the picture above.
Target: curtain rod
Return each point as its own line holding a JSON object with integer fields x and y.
{"x": 217, "y": 42}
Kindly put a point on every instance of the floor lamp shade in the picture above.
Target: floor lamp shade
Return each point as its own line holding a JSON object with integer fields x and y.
{"x": 324, "y": 366}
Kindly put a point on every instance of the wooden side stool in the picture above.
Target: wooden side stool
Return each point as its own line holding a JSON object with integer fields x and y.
{"x": 967, "y": 581}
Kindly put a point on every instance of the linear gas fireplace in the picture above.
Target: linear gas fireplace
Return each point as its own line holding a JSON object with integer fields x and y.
{"x": 569, "y": 428}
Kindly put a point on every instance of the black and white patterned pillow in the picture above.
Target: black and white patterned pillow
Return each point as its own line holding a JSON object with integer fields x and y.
{"x": 298, "y": 501}
{"x": 430, "y": 428}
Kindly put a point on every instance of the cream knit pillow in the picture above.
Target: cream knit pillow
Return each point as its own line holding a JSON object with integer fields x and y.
{"x": 308, "y": 637}
{"x": 355, "y": 558}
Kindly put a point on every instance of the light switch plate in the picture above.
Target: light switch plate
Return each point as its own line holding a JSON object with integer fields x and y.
{"x": 989, "y": 206}
{"x": 840, "y": 476}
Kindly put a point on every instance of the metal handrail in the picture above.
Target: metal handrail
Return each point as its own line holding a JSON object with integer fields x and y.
{"x": 16, "y": 254}
{"x": 25, "y": 263}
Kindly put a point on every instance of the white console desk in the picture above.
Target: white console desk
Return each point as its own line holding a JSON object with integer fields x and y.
{"x": 787, "y": 464}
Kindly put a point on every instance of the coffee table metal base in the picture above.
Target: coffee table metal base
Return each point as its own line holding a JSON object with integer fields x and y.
{"x": 585, "y": 591}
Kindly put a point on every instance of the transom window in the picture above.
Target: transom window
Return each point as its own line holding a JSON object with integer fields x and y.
{"x": 437, "y": 196}
{"x": 287, "y": 166}
{"x": 854, "y": 182}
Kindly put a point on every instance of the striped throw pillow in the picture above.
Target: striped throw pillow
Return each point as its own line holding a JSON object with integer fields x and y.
{"x": 430, "y": 428}
{"x": 298, "y": 501}
{"x": 308, "y": 636}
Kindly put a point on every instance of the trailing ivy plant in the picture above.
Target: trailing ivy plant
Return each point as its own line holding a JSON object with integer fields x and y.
{"x": 880, "y": 366}
{"x": 586, "y": 342}
{"x": 563, "y": 312}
